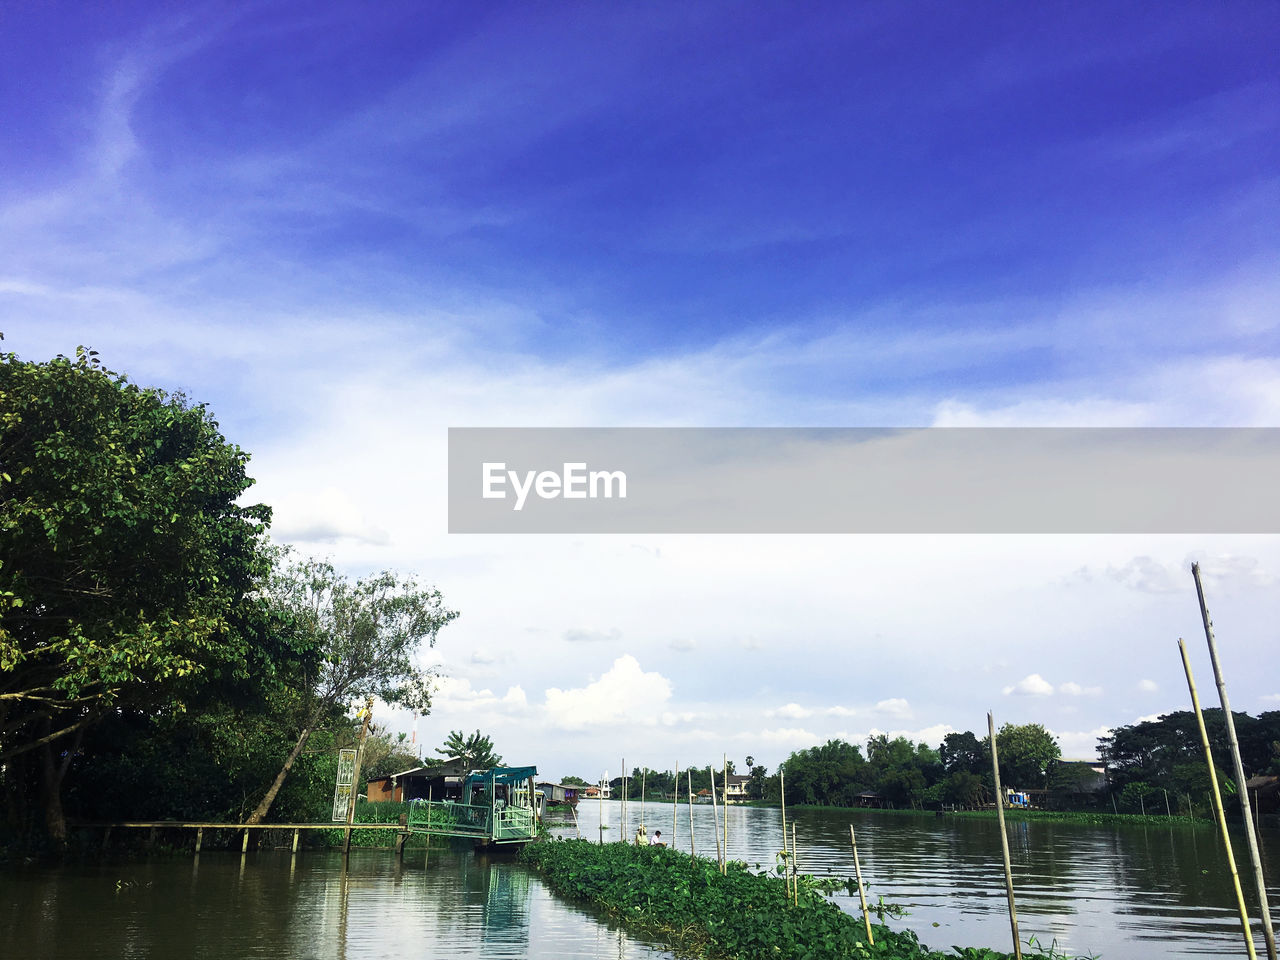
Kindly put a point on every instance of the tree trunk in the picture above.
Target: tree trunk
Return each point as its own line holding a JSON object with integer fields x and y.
{"x": 51, "y": 783}
{"x": 264, "y": 807}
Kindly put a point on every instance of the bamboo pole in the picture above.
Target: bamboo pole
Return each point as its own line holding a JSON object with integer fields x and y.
{"x": 692, "y": 851}
{"x": 600, "y": 795}
{"x": 644, "y": 772}
{"x": 622, "y": 835}
{"x": 715, "y": 817}
{"x": 862, "y": 891}
{"x": 725, "y": 812}
{"x": 795, "y": 867}
{"x": 782, "y": 792}
{"x": 1004, "y": 841}
{"x": 675, "y": 806}
{"x": 1217, "y": 801}
{"x": 1260, "y": 882}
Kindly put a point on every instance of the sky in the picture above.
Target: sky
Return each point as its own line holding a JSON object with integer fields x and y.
{"x": 347, "y": 228}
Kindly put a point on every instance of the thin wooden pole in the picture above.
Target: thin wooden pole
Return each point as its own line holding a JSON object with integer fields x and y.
{"x": 1004, "y": 840}
{"x": 625, "y": 784}
{"x": 692, "y": 851}
{"x": 862, "y": 892}
{"x": 1260, "y": 882}
{"x": 725, "y": 813}
{"x": 644, "y": 773}
{"x": 600, "y": 794}
{"x": 715, "y": 818}
{"x": 675, "y": 806}
{"x": 1167, "y": 811}
{"x": 199, "y": 838}
{"x": 1217, "y": 801}
{"x": 795, "y": 867}
{"x": 786, "y": 860}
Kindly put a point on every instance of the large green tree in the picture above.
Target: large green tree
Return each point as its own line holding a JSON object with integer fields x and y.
{"x": 126, "y": 562}
{"x": 367, "y": 634}
{"x": 1027, "y": 753}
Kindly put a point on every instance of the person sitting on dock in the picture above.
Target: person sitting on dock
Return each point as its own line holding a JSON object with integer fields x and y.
{"x": 656, "y": 839}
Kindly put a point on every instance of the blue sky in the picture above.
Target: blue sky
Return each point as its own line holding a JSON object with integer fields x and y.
{"x": 349, "y": 228}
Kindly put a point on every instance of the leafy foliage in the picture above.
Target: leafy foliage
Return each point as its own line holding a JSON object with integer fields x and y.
{"x": 367, "y": 633}
{"x": 125, "y": 559}
{"x": 476, "y": 749}
{"x": 689, "y": 904}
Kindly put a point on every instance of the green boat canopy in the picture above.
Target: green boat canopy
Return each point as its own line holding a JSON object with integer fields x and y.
{"x": 504, "y": 775}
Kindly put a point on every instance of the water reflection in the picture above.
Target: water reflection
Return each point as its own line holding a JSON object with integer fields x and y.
{"x": 1127, "y": 893}
{"x": 308, "y": 906}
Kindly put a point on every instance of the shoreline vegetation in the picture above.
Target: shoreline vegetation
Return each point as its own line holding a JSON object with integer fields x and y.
{"x": 687, "y": 904}
{"x": 1091, "y": 817}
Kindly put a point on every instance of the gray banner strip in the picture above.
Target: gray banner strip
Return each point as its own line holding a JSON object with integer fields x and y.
{"x": 927, "y": 480}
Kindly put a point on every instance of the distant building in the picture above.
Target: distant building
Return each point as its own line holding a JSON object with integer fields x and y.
{"x": 559, "y": 792}
{"x": 439, "y": 781}
{"x": 735, "y": 788}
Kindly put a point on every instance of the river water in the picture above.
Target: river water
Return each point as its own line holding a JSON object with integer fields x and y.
{"x": 1123, "y": 892}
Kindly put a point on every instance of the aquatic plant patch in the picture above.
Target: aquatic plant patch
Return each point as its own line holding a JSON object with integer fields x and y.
{"x": 688, "y": 904}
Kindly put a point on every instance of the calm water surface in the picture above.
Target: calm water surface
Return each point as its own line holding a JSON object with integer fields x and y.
{"x": 276, "y": 906}
{"x": 1126, "y": 893}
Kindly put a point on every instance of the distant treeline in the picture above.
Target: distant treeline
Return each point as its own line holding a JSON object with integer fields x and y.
{"x": 1146, "y": 763}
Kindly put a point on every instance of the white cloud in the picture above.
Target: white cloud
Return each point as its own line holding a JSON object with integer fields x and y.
{"x": 483, "y": 657}
{"x": 1148, "y": 686}
{"x": 1082, "y": 744}
{"x": 894, "y": 707}
{"x": 681, "y": 644}
{"x": 580, "y": 635}
{"x": 1032, "y": 685}
{"x": 324, "y": 516}
{"x": 457, "y": 695}
{"x": 1270, "y": 698}
{"x": 1073, "y": 689}
{"x": 625, "y": 693}
{"x": 791, "y": 711}
{"x": 840, "y": 712}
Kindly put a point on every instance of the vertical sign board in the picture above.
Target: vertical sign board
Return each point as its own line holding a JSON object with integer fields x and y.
{"x": 346, "y": 780}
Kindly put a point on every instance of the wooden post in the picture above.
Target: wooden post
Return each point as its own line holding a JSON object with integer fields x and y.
{"x": 715, "y": 818}
{"x": 795, "y": 867}
{"x": 725, "y": 798}
{"x": 244, "y": 846}
{"x": 786, "y": 862}
{"x": 1217, "y": 801}
{"x": 199, "y": 838}
{"x": 600, "y": 796}
{"x": 296, "y": 832}
{"x": 1004, "y": 840}
{"x": 692, "y": 851}
{"x": 1251, "y": 836}
{"x": 644, "y": 773}
{"x": 675, "y": 806}
{"x": 622, "y": 833}
{"x": 862, "y": 893}
{"x": 1167, "y": 812}
{"x": 355, "y": 776}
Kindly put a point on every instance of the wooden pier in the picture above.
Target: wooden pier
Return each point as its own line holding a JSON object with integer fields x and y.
{"x": 402, "y": 833}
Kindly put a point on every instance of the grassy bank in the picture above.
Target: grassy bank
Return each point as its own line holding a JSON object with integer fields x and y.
{"x": 686, "y": 903}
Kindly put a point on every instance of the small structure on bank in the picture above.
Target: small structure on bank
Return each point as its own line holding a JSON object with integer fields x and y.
{"x": 439, "y": 781}
{"x": 495, "y": 807}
